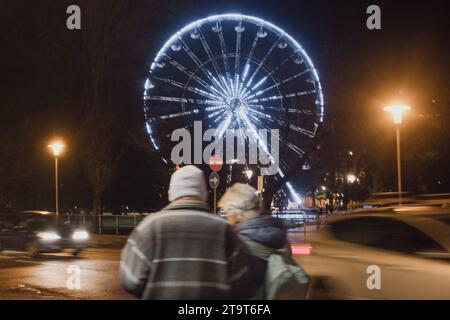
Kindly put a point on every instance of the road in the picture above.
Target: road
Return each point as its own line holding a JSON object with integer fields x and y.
{"x": 48, "y": 278}
{"x": 53, "y": 276}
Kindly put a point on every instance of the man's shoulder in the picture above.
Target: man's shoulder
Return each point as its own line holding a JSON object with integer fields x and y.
{"x": 167, "y": 215}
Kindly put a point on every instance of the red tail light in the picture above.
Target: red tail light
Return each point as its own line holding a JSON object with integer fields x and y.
{"x": 301, "y": 249}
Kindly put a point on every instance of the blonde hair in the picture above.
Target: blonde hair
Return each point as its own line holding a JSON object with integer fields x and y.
{"x": 242, "y": 200}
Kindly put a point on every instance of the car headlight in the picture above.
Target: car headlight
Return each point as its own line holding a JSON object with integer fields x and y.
{"x": 48, "y": 236}
{"x": 80, "y": 235}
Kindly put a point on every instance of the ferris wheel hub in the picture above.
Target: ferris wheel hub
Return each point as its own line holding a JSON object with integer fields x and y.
{"x": 234, "y": 104}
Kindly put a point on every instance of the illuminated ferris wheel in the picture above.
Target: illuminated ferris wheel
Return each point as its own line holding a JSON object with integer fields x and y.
{"x": 234, "y": 71}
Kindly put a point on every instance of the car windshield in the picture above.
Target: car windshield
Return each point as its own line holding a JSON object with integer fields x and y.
{"x": 35, "y": 220}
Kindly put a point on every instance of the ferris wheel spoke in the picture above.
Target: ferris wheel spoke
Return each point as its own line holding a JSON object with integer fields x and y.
{"x": 261, "y": 63}
{"x": 309, "y": 133}
{"x": 189, "y": 73}
{"x": 183, "y": 100}
{"x": 276, "y": 85}
{"x": 198, "y": 62}
{"x": 224, "y": 126}
{"x": 192, "y": 89}
{"x": 301, "y": 111}
{"x": 166, "y": 99}
{"x": 296, "y": 149}
{"x": 260, "y": 82}
{"x": 290, "y": 145}
{"x": 262, "y": 114}
{"x": 250, "y": 54}
{"x": 170, "y": 81}
{"x": 214, "y": 114}
{"x": 210, "y": 56}
{"x": 252, "y": 130}
{"x": 295, "y": 53}
{"x": 223, "y": 49}
{"x": 262, "y": 107}
{"x": 239, "y": 29}
{"x": 214, "y": 108}
{"x": 283, "y": 110}
{"x": 179, "y": 114}
{"x": 219, "y": 118}
{"x": 280, "y": 97}
{"x": 205, "y": 94}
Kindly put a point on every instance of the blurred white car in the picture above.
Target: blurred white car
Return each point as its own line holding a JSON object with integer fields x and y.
{"x": 411, "y": 247}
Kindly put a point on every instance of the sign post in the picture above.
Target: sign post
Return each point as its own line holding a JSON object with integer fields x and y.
{"x": 215, "y": 163}
{"x": 214, "y": 183}
{"x": 260, "y": 189}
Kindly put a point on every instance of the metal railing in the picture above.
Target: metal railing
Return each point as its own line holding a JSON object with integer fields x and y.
{"x": 104, "y": 224}
{"x": 124, "y": 224}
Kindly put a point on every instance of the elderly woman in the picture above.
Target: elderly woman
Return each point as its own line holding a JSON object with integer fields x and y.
{"x": 251, "y": 223}
{"x": 266, "y": 239}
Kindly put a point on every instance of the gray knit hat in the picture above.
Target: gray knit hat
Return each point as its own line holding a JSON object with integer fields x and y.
{"x": 188, "y": 181}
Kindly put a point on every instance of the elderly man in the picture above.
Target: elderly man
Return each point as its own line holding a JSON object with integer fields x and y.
{"x": 184, "y": 252}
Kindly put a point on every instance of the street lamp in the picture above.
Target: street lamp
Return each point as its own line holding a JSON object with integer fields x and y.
{"x": 397, "y": 111}
{"x": 351, "y": 178}
{"x": 57, "y": 146}
{"x": 249, "y": 173}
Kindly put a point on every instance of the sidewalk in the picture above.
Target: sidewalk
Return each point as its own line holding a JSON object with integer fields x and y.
{"x": 298, "y": 234}
{"x": 107, "y": 241}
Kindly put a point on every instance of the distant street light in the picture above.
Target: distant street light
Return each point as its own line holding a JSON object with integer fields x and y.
{"x": 323, "y": 188}
{"x": 397, "y": 111}
{"x": 249, "y": 173}
{"x": 56, "y": 147}
{"x": 351, "y": 178}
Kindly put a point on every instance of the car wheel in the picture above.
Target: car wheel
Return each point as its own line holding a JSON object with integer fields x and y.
{"x": 32, "y": 249}
{"x": 76, "y": 252}
{"x": 320, "y": 290}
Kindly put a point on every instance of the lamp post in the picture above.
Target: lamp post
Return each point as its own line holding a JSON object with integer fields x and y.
{"x": 397, "y": 111}
{"x": 56, "y": 147}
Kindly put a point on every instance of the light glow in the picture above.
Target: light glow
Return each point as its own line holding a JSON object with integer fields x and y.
{"x": 56, "y": 147}
{"x": 48, "y": 236}
{"x": 80, "y": 235}
{"x": 351, "y": 178}
{"x": 397, "y": 111}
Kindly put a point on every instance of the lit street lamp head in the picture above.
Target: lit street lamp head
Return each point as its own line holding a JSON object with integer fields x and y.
{"x": 56, "y": 147}
{"x": 351, "y": 178}
{"x": 397, "y": 111}
{"x": 249, "y": 173}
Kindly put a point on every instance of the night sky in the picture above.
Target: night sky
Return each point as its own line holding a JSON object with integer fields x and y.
{"x": 47, "y": 87}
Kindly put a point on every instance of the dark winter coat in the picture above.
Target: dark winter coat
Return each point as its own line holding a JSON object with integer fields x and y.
{"x": 265, "y": 230}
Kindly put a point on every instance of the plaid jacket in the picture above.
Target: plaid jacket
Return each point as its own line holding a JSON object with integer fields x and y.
{"x": 184, "y": 252}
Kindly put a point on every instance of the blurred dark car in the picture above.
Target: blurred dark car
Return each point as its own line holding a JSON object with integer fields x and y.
{"x": 39, "y": 232}
{"x": 409, "y": 245}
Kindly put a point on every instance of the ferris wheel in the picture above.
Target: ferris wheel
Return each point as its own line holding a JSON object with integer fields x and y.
{"x": 235, "y": 71}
